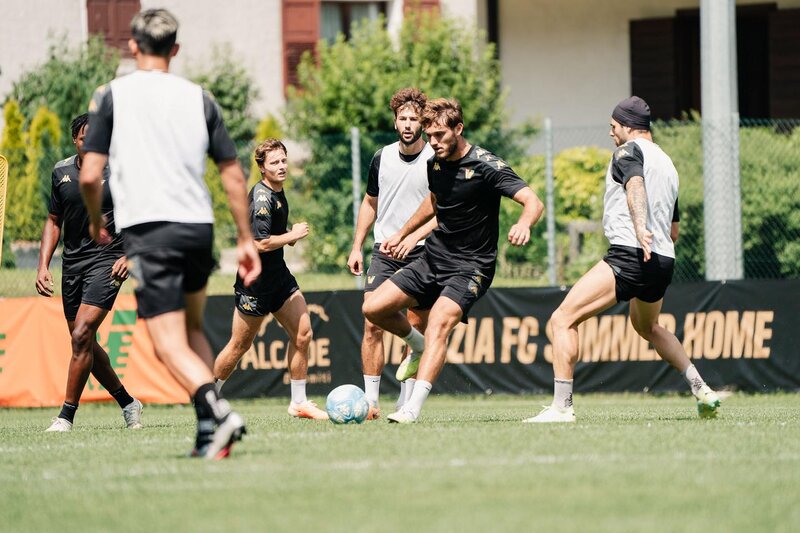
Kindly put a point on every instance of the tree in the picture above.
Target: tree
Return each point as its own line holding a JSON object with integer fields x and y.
{"x": 66, "y": 81}
{"x": 349, "y": 83}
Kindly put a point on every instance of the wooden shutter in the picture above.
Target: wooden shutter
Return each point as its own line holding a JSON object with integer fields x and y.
{"x": 784, "y": 63}
{"x": 653, "y": 75}
{"x": 422, "y": 5}
{"x": 112, "y": 19}
{"x": 300, "y": 33}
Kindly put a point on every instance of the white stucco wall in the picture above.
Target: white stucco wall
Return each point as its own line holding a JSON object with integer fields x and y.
{"x": 571, "y": 60}
{"x": 26, "y": 34}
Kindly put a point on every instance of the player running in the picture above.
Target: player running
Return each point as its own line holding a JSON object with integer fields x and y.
{"x": 396, "y": 185}
{"x": 466, "y": 183}
{"x": 91, "y": 278}
{"x": 157, "y": 129}
{"x": 276, "y": 291}
{"x": 640, "y": 221}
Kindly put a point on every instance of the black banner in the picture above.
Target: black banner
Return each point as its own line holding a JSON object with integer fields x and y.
{"x": 739, "y": 334}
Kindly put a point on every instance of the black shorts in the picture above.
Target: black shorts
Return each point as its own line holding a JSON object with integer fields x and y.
{"x": 423, "y": 283}
{"x": 262, "y": 303}
{"x": 635, "y": 278}
{"x": 93, "y": 286}
{"x": 382, "y": 266}
{"x": 167, "y": 260}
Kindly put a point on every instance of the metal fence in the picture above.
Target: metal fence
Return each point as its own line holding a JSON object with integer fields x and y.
{"x": 567, "y": 243}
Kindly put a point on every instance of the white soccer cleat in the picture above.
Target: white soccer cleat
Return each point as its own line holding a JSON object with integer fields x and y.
{"x": 402, "y": 417}
{"x": 132, "y": 413}
{"x": 60, "y": 425}
{"x": 552, "y": 414}
{"x": 707, "y": 402}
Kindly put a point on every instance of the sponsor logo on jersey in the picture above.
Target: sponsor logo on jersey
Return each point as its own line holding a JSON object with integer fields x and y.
{"x": 468, "y": 173}
{"x": 65, "y": 179}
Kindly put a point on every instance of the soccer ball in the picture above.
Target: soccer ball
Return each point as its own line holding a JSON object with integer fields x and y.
{"x": 347, "y": 404}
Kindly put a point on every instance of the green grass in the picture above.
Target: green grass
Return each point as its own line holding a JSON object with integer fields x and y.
{"x": 15, "y": 283}
{"x": 631, "y": 463}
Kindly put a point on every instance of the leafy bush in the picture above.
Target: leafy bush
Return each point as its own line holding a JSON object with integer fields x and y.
{"x": 65, "y": 82}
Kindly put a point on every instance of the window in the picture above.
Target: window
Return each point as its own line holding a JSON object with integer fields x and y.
{"x": 665, "y": 62}
{"x": 338, "y": 17}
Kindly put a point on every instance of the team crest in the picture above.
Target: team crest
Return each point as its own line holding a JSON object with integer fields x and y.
{"x": 473, "y": 288}
{"x": 437, "y": 167}
{"x": 247, "y": 303}
{"x": 468, "y": 173}
{"x": 65, "y": 179}
{"x": 278, "y": 204}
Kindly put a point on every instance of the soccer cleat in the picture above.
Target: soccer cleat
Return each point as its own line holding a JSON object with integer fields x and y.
{"x": 307, "y": 409}
{"x": 408, "y": 368}
{"x": 374, "y": 412}
{"x": 552, "y": 414}
{"x": 707, "y": 402}
{"x": 227, "y": 433}
{"x": 402, "y": 416}
{"x": 132, "y": 413}
{"x": 60, "y": 425}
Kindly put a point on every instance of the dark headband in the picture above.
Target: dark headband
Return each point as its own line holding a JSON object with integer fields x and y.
{"x": 633, "y": 112}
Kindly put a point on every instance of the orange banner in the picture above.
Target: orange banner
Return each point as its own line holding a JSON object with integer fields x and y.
{"x": 35, "y": 350}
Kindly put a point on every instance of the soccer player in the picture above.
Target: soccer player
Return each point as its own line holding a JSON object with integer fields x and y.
{"x": 276, "y": 291}
{"x": 466, "y": 183}
{"x": 396, "y": 185}
{"x": 157, "y": 129}
{"x": 640, "y": 221}
{"x": 92, "y": 275}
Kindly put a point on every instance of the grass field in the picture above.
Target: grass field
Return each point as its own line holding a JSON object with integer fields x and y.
{"x": 631, "y": 463}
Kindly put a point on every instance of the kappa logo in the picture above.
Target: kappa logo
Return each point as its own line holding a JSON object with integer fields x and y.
{"x": 501, "y": 164}
{"x": 65, "y": 179}
{"x": 622, "y": 152}
{"x": 480, "y": 151}
{"x": 261, "y": 198}
{"x": 263, "y": 211}
{"x": 468, "y": 173}
{"x": 437, "y": 166}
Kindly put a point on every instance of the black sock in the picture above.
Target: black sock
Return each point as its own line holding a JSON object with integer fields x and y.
{"x": 123, "y": 398}
{"x": 209, "y": 404}
{"x": 68, "y": 412}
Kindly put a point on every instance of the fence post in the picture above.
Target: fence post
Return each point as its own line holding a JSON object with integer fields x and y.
{"x": 355, "y": 163}
{"x": 719, "y": 100}
{"x": 550, "y": 211}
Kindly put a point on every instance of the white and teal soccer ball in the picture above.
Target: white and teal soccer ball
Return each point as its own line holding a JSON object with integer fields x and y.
{"x": 347, "y": 404}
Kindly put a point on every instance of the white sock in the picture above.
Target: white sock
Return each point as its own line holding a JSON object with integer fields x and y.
{"x": 562, "y": 393}
{"x": 409, "y": 389}
{"x": 692, "y": 377}
{"x": 415, "y": 339}
{"x": 298, "y": 390}
{"x": 372, "y": 387}
{"x": 418, "y": 396}
{"x": 218, "y": 384}
{"x": 401, "y": 398}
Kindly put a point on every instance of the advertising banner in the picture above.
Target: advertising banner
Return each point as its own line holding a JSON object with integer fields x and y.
{"x": 741, "y": 335}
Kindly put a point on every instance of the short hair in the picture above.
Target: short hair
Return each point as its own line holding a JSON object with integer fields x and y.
{"x": 268, "y": 146}
{"x": 446, "y": 111}
{"x": 78, "y": 124}
{"x": 155, "y": 31}
{"x": 408, "y": 96}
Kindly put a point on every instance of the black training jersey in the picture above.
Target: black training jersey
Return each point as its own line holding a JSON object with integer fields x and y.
{"x": 67, "y": 204}
{"x": 468, "y": 195}
{"x": 269, "y": 215}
